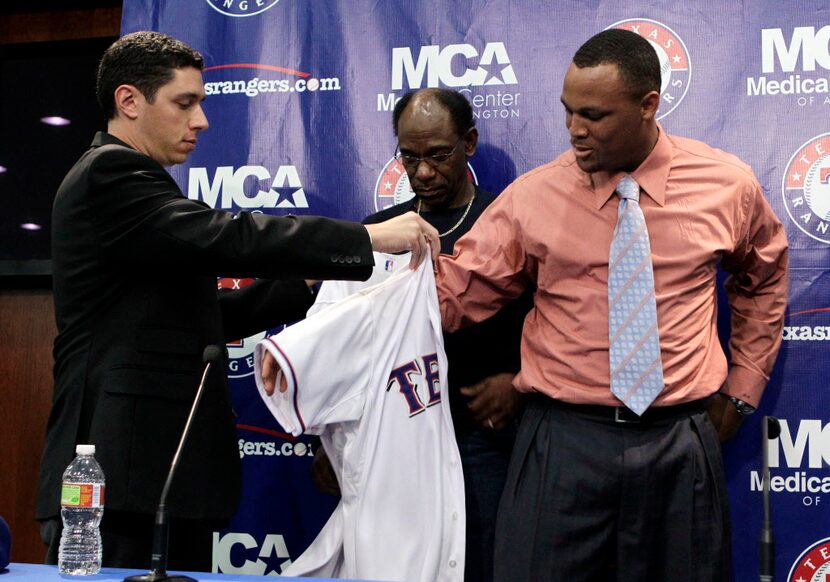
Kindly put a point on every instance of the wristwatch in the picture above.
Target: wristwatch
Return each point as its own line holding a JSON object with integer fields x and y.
{"x": 743, "y": 408}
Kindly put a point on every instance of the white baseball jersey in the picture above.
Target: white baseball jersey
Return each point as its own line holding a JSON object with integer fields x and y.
{"x": 369, "y": 374}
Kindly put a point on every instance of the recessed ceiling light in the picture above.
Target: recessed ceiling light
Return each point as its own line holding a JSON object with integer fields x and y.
{"x": 3, "y": 169}
{"x": 55, "y": 120}
{"x": 30, "y": 226}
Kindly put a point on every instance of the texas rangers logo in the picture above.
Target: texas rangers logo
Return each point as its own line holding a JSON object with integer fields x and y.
{"x": 240, "y": 352}
{"x": 240, "y": 8}
{"x": 675, "y": 65}
{"x": 405, "y": 379}
{"x": 806, "y": 188}
{"x": 808, "y": 325}
{"x": 813, "y": 565}
{"x": 393, "y": 186}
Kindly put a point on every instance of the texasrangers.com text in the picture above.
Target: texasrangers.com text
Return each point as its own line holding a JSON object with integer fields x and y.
{"x": 256, "y": 86}
{"x": 272, "y": 449}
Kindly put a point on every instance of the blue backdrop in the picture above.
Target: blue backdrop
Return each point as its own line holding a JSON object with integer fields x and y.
{"x": 299, "y": 101}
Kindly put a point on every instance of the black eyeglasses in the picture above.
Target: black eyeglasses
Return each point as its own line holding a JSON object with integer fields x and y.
{"x": 435, "y": 160}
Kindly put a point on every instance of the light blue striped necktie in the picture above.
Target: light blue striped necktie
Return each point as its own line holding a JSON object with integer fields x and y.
{"x": 634, "y": 343}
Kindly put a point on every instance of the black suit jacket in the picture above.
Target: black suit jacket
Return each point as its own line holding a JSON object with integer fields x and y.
{"x": 134, "y": 272}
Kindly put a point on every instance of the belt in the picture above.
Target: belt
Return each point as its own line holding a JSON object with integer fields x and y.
{"x": 622, "y": 415}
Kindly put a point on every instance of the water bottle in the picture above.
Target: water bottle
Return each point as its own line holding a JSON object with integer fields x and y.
{"x": 82, "y": 505}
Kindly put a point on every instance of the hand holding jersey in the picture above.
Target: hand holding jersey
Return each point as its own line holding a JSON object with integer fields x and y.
{"x": 269, "y": 373}
{"x": 407, "y": 232}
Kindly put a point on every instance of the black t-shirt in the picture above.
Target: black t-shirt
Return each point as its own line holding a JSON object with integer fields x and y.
{"x": 482, "y": 349}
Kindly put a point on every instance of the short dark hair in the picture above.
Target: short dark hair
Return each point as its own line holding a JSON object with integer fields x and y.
{"x": 144, "y": 59}
{"x": 633, "y": 55}
{"x": 461, "y": 113}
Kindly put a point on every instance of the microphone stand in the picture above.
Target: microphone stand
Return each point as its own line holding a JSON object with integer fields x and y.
{"x": 771, "y": 429}
{"x": 158, "y": 563}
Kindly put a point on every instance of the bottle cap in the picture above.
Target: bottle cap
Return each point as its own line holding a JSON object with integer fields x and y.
{"x": 85, "y": 449}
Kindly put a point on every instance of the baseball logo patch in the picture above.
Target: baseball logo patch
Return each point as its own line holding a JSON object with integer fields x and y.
{"x": 393, "y": 186}
{"x": 806, "y": 188}
{"x": 675, "y": 64}
{"x": 813, "y": 565}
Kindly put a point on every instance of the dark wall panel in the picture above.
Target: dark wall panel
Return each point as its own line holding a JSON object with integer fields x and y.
{"x": 27, "y": 328}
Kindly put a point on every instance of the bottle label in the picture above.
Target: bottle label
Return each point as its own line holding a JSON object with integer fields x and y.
{"x": 82, "y": 495}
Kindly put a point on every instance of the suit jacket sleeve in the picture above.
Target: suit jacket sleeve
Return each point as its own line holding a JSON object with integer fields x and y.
{"x": 142, "y": 218}
{"x": 262, "y": 305}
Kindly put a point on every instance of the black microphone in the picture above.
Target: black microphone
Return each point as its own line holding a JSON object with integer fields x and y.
{"x": 771, "y": 429}
{"x": 158, "y": 563}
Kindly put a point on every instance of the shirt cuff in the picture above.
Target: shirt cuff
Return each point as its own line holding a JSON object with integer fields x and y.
{"x": 744, "y": 384}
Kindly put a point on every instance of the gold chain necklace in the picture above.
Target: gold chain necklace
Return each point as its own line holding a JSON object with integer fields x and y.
{"x": 460, "y": 220}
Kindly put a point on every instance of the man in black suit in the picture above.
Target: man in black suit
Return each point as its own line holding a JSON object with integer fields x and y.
{"x": 134, "y": 271}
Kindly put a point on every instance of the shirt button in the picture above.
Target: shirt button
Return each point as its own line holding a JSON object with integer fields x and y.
{"x": 455, "y": 515}
{"x": 452, "y": 564}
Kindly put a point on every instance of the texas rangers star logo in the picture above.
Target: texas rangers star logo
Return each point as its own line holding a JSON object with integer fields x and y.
{"x": 806, "y": 188}
{"x": 241, "y": 8}
{"x": 393, "y": 186}
{"x": 813, "y": 565}
{"x": 241, "y": 352}
{"x": 675, "y": 65}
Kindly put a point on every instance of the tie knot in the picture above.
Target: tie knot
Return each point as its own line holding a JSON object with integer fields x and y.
{"x": 628, "y": 188}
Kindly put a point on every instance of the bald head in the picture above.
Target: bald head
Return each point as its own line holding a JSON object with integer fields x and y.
{"x": 432, "y": 100}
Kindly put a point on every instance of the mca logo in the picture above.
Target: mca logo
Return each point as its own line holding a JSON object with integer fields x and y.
{"x": 813, "y": 565}
{"x": 434, "y": 66}
{"x": 242, "y": 553}
{"x": 240, "y": 8}
{"x": 806, "y": 188}
{"x": 675, "y": 65}
{"x": 393, "y": 186}
{"x": 484, "y": 73}
{"x": 806, "y": 44}
{"x": 247, "y": 187}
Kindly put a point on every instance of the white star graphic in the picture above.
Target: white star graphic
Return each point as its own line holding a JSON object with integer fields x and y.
{"x": 796, "y": 177}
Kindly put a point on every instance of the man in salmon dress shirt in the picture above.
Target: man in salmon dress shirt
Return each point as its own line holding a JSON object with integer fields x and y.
{"x": 598, "y": 485}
